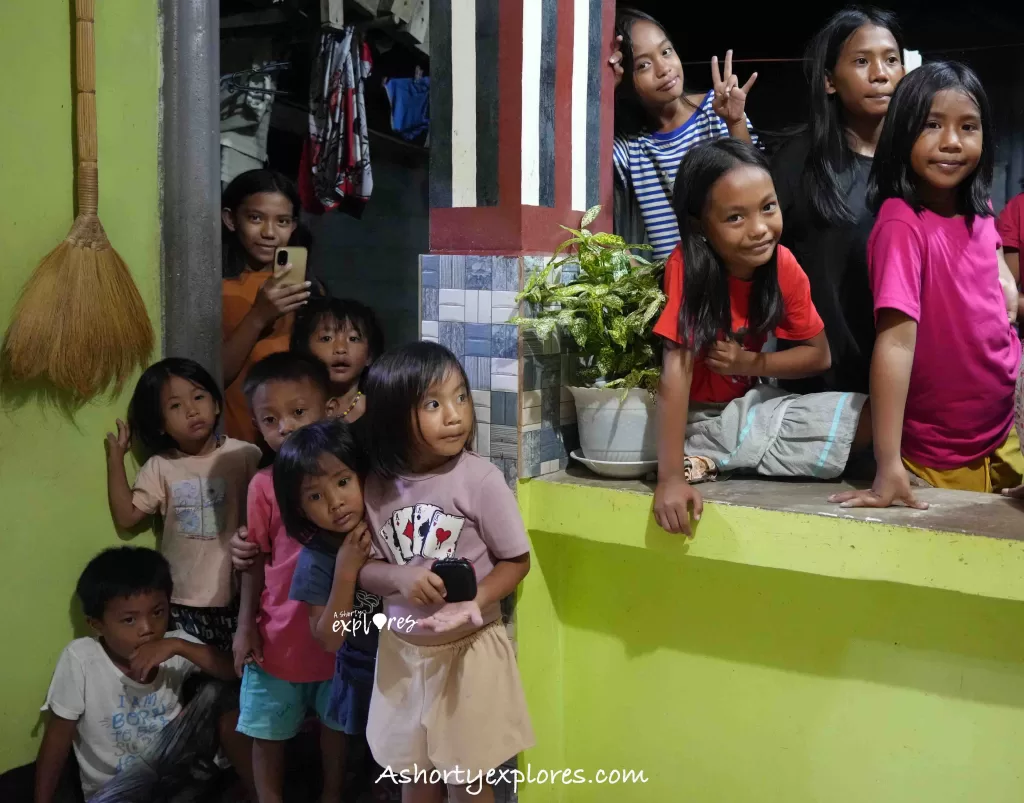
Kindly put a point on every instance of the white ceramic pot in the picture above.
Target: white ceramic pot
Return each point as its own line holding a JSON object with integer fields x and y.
{"x": 616, "y": 429}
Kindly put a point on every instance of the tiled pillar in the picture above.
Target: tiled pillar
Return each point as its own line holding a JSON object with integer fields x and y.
{"x": 521, "y": 135}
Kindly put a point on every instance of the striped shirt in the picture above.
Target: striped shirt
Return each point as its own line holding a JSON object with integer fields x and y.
{"x": 648, "y": 163}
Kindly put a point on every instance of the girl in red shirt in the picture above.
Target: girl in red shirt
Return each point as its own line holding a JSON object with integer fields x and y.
{"x": 737, "y": 288}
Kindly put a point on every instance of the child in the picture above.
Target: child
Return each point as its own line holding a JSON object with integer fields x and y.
{"x": 318, "y": 479}
{"x": 853, "y": 65}
{"x": 657, "y": 121}
{"x": 946, "y": 357}
{"x": 195, "y": 480}
{"x": 737, "y": 287}
{"x": 286, "y": 672}
{"x": 344, "y": 335}
{"x": 259, "y": 214}
{"x": 112, "y": 695}
{"x": 446, "y": 693}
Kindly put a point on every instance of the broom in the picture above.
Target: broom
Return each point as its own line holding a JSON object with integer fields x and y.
{"x": 80, "y": 322}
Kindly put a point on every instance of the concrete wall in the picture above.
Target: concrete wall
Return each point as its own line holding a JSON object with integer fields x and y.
{"x": 52, "y": 477}
{"x": 884, "y": 665}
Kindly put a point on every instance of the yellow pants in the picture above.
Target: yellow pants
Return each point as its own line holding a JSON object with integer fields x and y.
{"x": 1004, "y": 468}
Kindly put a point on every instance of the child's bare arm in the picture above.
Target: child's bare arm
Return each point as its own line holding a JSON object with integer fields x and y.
{"x": 53, "y": 755}
{"x": 247, "y": 637}
{"x": 673, "y": 495}
{"x": 119, "y": 492}
{"x": 891, "y": 363}
{"x": 148, "y": 656}
{"x": 502, "y": 580}
{"x": 807, "y": 358}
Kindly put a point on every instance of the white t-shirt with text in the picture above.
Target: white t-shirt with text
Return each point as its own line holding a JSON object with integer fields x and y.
{"x": 117, "y": 717}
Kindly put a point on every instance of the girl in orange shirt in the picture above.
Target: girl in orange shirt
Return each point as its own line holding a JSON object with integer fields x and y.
{"x": 259, "y": 214}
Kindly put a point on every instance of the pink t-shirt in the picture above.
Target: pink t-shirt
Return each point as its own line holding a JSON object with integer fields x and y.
{"x": 290, "y": 652}
{"x": 945, "y": 277}
{"x": 1010, "y": 223}
{"x": 464, "y": 510}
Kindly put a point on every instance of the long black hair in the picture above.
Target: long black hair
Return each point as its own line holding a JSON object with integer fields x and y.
{"x": 341, "y": 310}
{"x": 244, "y": 185}
{"x": 706, "y": 310}
{"x": 892, "y": 175}
{"x": 631, "y": 116}
{"x": 145, "y": 414}
{"x": 394, "y": 388}
{"x": 830, "y": 153}
{"x": 299, "y": 457}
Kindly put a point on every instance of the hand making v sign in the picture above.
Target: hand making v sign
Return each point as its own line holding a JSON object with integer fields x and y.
{"x": 730, "y": 98}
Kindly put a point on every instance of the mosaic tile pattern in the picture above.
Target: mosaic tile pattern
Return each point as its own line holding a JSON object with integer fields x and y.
{"x": 526, "y": 419}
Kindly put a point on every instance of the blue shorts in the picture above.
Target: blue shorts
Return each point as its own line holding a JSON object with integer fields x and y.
{"x": 274, "y": 709}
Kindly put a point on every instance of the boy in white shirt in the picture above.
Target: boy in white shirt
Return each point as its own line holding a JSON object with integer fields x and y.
{"x": 112, "y": 695}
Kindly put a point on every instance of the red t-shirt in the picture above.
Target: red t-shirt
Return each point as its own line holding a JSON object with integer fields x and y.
{"x": 1010, "y": 223}
{"x": 800, "y": 321}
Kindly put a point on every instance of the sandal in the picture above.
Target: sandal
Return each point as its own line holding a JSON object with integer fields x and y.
{"x": 699, "y": 469}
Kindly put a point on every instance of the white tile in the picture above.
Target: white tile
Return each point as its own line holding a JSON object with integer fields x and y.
{"x": 483, "y": 439}
{"x": 430, "y": 339}
{"x": 481, "y": 398}
{"x": 530, "y": 427}
{"x": 428, "y": 329}
{"x": 530, "y": 415}
{"x": 503, "y": 314}
{"x": 451, "y": 312}
{"x": 484, "y": 315}
{"x": 531, "y": 398}
{"x": 505, "y": 366}
{"x": 482, "y": 413}
{"x": 452, "y": 297}
{"x": 550, "y": 467}
{"x": 509, "y": 384}
{"x": 504, "y": 298}
{"x": 472, "y": 306}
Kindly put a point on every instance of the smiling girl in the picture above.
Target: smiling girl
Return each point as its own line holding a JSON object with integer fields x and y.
{"x": 657, "y": 122}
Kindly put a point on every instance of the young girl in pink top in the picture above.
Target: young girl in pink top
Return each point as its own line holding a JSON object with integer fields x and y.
{"x": 946, "y": 356}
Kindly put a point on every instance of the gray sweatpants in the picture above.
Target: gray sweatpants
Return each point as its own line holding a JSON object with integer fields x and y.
{"x": 777, "y": 434}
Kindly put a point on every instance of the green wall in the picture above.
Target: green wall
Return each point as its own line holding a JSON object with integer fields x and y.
{"x": 52, "y": 475}
{"x": 726, "y": 681}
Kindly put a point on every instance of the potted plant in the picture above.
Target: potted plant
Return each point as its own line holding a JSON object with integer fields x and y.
{"x": 606, "y": 298}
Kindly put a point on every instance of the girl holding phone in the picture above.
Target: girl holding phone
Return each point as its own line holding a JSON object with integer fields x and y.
{"x": 259, "y": 218}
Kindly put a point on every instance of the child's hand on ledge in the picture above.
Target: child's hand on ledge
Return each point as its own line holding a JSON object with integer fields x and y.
{"x": 890, "y": 486}
{"x": 672, "y": 500}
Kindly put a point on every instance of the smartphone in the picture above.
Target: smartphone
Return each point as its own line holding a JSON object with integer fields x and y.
{"x": 296, "y": 274}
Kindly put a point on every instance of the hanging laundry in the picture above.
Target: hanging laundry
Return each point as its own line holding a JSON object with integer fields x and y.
{"x": 244, "y": 124}
{"x": 339, "y": 146}
{"x": 410, "y": 105}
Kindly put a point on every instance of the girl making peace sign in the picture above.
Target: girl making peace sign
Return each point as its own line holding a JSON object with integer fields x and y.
{"x": 657, "y": 122}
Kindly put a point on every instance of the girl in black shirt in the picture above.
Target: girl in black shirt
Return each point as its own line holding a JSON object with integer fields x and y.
{"x": 853, "y": 65}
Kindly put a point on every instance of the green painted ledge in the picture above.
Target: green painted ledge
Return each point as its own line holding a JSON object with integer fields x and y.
{"x": 965, "y": 542}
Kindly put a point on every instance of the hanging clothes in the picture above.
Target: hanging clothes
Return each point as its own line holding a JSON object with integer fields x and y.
{"x": 244, "y": 125}
{"x": 339, "y": 146}
{"x": 410, "y": 105}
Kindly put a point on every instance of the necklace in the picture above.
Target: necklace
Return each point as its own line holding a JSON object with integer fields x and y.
{"x": 352, "y": 406}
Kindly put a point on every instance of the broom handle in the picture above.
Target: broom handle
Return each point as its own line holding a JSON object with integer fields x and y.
{"x": 85, "y": 107}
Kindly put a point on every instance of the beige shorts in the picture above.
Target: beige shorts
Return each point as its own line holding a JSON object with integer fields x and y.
{"x": 457, "y": 706}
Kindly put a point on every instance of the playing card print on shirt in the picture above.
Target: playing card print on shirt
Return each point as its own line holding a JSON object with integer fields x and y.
{"x": 199, "y": 506}
{"x": 422, "y": 531}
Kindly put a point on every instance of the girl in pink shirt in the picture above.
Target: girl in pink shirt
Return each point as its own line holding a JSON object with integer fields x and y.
{"x": 946, "y": 357}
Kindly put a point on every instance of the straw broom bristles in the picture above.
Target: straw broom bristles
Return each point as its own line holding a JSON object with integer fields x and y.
{"x": 80, "y": 322}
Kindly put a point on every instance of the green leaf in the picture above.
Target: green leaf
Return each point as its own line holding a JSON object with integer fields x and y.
{"x": 590, "y": 216}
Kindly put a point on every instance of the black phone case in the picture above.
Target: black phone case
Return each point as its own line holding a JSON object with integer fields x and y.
{"x": 459, "y": 578}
